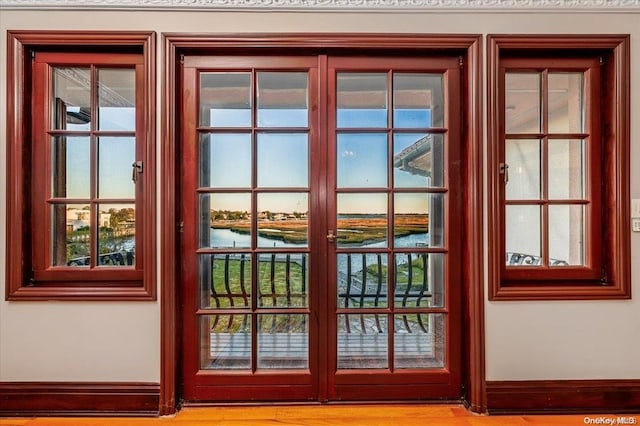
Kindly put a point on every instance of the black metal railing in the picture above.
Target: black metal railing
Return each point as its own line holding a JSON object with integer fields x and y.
{"x": 118, "y": 258}
{"x": 361, "y": 286}
{"x": 522, "y": 259}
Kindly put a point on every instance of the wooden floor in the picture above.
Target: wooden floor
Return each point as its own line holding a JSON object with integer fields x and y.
{"x": 345, "y": 415}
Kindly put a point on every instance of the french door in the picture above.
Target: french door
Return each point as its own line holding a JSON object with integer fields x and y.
{"x": 320, "y": 228}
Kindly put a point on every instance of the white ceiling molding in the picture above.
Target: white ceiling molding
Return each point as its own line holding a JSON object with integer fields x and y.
{"x": 469, "y": 6}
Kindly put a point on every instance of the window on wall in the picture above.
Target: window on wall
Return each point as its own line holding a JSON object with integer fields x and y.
{"x": 81, "y": 167}
{"x": 559, "y": 167}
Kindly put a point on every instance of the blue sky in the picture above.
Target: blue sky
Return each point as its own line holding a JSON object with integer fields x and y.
{"x": 283, "y": 159}
{"x": 115, "y": 156}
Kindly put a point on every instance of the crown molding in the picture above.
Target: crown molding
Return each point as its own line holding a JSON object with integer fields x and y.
{"x": 599, "y": 6}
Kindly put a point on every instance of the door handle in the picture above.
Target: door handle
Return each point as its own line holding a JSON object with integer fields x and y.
{"x": 331, "y": 237}
{"x": 136, "y": 170}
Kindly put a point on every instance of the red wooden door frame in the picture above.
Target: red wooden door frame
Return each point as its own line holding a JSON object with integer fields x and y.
{"x": 410, "y": 384}
{"x": 467, "y": 46}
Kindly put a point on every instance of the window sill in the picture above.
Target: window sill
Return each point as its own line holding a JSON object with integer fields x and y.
{"x": 83, "y": 293}
{"x": 559, "y": 291}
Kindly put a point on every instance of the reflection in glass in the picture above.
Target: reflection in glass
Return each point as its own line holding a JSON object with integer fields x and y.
{"x": 225, "y": 280}
{"x": 419, "y": 341}
{"x": 71, "y": 98}
{"x": 116, "y": 99}
{"x": 283, "y": 219}
{"x": 418, "y": 160}
{"x": 523, "y": 158}
{"x": 70, "y": 235}
{"x": 225, "y": 99}
{"x": 282, "y": 280}
{"x": 116, "y": 234}
{"x": 566, "y": 102}
{"x": 522, "y": 102}
{"x": 283, "y": 160}
{"x": 282, "y": 99}
{"x": 566, "y": 235}
{"x": 283, "y": 341}
{"x": 115, "y": 157}
{"x": 361, "y": 100}
{"x": 523, "y": 235}
{"x": 362, "y": 280}
{"x": 225, "y": 160}
{"x": 362, "y": 341}
{"x": 225, "y": 342}
{"x": 419, "y": 280}
{"x": 566, "y": 169}
{"x": 362, "y": 160}
{"x": 362, "y": 220}
{"x": 418, "y": 100}
{"x": 70, "y": 166}
{"x": 225, "y": 220}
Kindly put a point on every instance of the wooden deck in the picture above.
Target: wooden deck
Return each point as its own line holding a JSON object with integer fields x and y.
{"x": 322, "y": 415}
{"x": 289, "y": 350}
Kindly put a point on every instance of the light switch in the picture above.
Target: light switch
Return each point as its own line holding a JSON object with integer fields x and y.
{"x": 635, "y": 224}
{"x": 635, "y": 207}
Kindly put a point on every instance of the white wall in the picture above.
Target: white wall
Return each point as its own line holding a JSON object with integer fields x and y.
{"x": 524, "y": 340}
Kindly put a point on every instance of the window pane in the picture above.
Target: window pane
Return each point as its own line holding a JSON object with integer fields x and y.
{"x": 225, "y": 280}
{"x": 419, "y": 280}
{"x": 417, "y": 217}
{"x": 363, "y": 341}
{"x": 225, "y": 99}
{"x": 115, "y": 157}
{"x": 283, "y": 219}
{"x": 71, "y": 235}
{"x": 283, "y": 341}
{"x": 283, "y": 160}
{"x": 282, "y": 99}
{"x": 418, "y": 160}
{"x": 225, "y": 342}
{"x": 71, "y": 98}
{"x": 522, "y": 102}
{"x": 225, "y": 220}
{"x": 282, "y": 279}
{"x": 225, "y": 160}
{"x": 418, "y": 100}
{"x": 419, "y": 341}
{"x": 362, "y": 280}
{"x": 566, "y": 168}
{"x": 362, "y": 220}
{"x": 362, "y": 160}
{"x": 362, "y": 100}
{"x": 71, "y": 167}
{"x": 566, "y": 103}
{"x": 566, "y": 235}
{"x": 523, "y": 235}
{"x": 116, "y": 234}
{"x": 116, "y": 99}
{"x": 523, "y": 158}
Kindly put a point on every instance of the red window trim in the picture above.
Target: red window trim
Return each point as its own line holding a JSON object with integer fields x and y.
{"x": 613, "y": 279}
{"x": 63, "y": 285}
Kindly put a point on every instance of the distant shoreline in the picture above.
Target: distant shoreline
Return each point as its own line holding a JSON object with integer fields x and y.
{"x": 352, "y": 229}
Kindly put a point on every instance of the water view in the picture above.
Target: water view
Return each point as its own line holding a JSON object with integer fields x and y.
{"x": 224, "y": 237}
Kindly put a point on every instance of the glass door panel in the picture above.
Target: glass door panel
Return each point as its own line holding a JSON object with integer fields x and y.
{"x": 247, "y": 209}
{"x": 394, "y": 136}
{"x": 238, "y": 223}
{"x": 319, "y": 251}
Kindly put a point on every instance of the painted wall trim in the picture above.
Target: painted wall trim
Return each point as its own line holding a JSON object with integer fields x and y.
{"x": 563, "y": 396}
{"x": 79, "y": 399}
{"x": 470, "y": 6}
